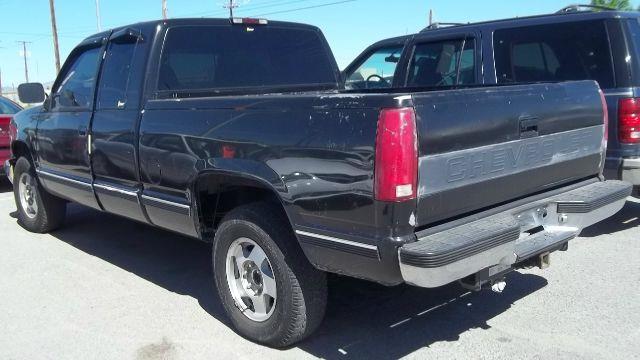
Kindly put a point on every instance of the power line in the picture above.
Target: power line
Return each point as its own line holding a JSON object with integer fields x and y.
{"x": 275, "y": 3}
{"x": 304, "y": 8}
{"x": 38, "y": 34}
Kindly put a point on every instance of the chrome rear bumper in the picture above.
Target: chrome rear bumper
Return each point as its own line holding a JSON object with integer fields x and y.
{"x": 509, "y": 237}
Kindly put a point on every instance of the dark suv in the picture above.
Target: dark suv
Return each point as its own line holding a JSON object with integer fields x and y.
{"x": 568, "y": 45}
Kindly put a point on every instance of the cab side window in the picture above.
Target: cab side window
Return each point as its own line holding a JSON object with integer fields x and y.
{"x": 376, "y": 71}
{"x": 443, "y": 63}
{"x": 75, "y": 91}
{"x": 117, "y": 83}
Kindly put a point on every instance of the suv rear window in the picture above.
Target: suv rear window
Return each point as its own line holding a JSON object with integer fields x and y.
{"x": 225, "y": 57}
{"x": 554, "y": 52}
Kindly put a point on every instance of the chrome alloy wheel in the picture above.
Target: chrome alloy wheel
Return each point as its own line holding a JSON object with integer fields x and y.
{"x": 27, "y": 192}
{"x": 251, "y": 280}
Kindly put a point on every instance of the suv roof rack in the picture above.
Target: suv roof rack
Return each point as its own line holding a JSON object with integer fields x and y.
{"x": 576, "y": 8}
{"x": 438, "y": 25}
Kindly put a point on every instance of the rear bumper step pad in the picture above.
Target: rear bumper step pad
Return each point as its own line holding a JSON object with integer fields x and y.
{"x": 587, "y": 199}
{"x": 510, "y": 236}
{"x": 458, "y": 243}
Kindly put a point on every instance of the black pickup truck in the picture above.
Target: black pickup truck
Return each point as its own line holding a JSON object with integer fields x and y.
{"x": 239, "y": 133}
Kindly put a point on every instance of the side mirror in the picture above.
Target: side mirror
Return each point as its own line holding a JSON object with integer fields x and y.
{"x": 31, "y": 93}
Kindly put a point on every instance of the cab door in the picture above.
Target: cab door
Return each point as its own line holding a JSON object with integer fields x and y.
{"x": 114, "y": 128}
{"x": 64, "y": 166}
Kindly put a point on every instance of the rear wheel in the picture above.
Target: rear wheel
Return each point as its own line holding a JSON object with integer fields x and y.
{"x": 38, "y": 211}
{"x": 271, "y": 293}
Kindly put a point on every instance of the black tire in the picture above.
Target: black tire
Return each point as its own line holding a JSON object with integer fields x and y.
{"x": 301, "y": 289}
{"x": 51, "y": 210}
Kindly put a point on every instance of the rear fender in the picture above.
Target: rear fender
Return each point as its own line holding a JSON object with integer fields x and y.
{"x": 242, "y": 173}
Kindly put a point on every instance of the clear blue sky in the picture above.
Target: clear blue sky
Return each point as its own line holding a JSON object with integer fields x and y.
{"x": 349, "y": 26}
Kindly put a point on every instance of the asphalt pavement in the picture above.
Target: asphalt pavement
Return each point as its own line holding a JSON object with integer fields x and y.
{"x": 104, "y": 287}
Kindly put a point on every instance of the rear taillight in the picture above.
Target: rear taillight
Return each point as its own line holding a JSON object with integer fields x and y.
{"x": 629, "y": 120}
{"x": 396, "y": 167}
{"x": 5, "y": 121}
{"x": 5, "y": 133}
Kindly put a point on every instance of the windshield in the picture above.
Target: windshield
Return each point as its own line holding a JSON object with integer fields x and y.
{"x": 376, "y": 71}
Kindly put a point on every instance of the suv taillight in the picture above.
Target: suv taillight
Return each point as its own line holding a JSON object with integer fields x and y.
{"x": 629, "y": 120}
{"x": 396, "y": 166}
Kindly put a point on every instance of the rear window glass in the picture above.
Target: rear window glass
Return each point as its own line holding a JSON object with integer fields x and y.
{"x": 224, "y": 57}
{"x": 554, "y": 52}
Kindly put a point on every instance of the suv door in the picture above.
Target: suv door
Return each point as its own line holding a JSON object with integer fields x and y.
{"x": 63, "y": 130}
{"x": 114, "y": 130}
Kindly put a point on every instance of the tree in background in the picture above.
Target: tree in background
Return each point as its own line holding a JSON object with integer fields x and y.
{"x": 614, "y": 4}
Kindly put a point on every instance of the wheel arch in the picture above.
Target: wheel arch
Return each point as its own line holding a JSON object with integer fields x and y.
{"x": 216, "y": 192}
{"x": 20, "y": 148}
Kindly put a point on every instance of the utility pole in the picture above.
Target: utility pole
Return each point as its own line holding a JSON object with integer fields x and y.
{"x": 164, "y": 9}
{"x": 232, "y": 5}
{"x": 54, "y": 31}
{"x": 98, "y": 15}
{"x": 24, "y": 53}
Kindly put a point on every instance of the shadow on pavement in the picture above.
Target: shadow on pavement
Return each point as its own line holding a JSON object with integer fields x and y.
{"x": 626, "y": 218}
{"x": 366, "y": 320}
{"x": 363, "y": 319}
{"x": 174, "y": 262}
{"x": 5, "y": 186}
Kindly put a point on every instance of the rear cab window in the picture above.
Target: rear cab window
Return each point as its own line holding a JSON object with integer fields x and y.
{"x": 554, "y": 52}
{"x": 221, "y": 57}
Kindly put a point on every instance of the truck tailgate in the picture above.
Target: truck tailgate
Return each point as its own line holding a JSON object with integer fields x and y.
{"x": 484, "y": 146}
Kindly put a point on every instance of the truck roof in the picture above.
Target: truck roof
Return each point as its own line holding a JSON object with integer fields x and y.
{"x": 196, "y": 21}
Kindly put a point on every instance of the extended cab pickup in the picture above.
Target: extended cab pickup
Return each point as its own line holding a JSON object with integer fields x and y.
{"x": 239, "y": 133}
